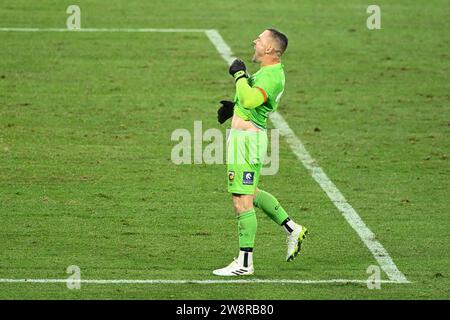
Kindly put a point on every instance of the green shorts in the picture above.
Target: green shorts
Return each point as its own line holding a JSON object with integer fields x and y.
{"x": 246, "y": 151}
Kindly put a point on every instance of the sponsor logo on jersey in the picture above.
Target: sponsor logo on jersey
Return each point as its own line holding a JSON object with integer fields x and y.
{"x": 231, "y": 175}
{"x": 248, "y": 178}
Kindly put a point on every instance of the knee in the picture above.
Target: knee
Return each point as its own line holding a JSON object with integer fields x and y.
{"x": 242, "y": 203}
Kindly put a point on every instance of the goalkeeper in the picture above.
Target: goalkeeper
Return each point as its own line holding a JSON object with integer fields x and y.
{"x": 256, "y": 96}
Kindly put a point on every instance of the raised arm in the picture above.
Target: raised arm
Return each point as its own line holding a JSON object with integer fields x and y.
{"x": 249, "y": 97}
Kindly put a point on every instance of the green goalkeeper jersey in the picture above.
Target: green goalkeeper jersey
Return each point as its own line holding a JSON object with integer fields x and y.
{"x": 270, "y": 80}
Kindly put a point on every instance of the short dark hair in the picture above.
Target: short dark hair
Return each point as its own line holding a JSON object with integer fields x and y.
{"x": 280, "y": 38}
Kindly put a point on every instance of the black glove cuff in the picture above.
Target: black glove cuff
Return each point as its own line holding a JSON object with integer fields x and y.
{"x": 240, "y": 77}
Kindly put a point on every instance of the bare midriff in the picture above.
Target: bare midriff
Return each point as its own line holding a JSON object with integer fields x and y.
{"x": 241, "y": 124}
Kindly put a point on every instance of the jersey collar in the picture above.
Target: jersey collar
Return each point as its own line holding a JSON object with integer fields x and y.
{"x": 276, "y": 65}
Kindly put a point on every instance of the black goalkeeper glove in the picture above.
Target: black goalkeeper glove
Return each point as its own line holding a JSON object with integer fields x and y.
{"x": 225, "y": 112}
{"x": 238, "y": 69}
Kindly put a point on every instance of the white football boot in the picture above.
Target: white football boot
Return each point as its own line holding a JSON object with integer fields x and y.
{"x": 294, "y": 242}
{"x": 243, "y": 266}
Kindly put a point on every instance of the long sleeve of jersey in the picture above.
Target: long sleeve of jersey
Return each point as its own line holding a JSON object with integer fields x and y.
{"x": 249, "y": 97}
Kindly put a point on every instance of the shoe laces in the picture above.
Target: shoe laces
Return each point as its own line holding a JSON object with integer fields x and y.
{"x": 290, "y": 240}
{"x": 235, "y": 261}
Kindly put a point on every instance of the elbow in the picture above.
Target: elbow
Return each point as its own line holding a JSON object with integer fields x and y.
{"x": 248, "y": 103}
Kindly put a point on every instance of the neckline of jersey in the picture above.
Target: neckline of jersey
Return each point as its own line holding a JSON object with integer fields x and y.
{"x": 279, "y": 64}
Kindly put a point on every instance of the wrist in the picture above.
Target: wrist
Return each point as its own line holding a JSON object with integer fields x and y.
{"x": 240, "y": 74}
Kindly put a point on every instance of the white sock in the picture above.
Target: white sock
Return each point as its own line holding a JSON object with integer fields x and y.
{"x": 290, "y": 226}
{"x": 245, "y": 258}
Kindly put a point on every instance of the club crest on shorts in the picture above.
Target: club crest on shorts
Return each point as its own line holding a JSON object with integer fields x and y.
{"x": 231, "y": 175}
{"x": 247, "y": 178}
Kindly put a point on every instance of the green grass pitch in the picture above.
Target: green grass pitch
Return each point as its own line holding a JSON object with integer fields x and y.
{"x": 86, "y": 120}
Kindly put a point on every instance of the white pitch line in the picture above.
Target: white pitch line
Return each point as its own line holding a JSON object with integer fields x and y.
{"x": 98, "y": 30}
{"x": 220, "y": 45}
{"x": 350, "y": 214}
{"x": 352, "y": 217}
{"x": 166, "y": 281}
